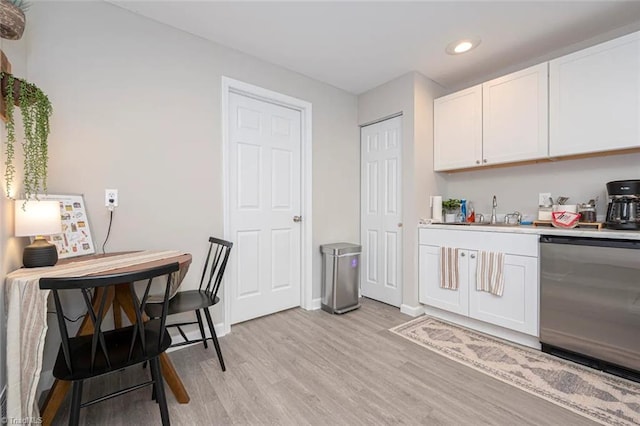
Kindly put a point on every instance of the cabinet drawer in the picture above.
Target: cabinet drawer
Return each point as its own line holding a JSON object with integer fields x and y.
{"x": 469, "y": 238}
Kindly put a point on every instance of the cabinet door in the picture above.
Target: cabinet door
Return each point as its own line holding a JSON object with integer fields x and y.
{"x": 594, "y": 98}
{"x": 430, "y": 292}
{"x": 457, "y": 130}
{"x": 517, "y": 308}
{"x": 515, "y": 116}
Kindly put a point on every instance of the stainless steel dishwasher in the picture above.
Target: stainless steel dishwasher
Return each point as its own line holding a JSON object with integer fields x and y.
{"x": 590, "y": 302}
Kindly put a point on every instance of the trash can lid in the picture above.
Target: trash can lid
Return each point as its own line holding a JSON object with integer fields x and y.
{"x": 338, "y": 249}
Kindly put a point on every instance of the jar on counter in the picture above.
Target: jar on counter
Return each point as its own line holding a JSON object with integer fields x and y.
{"x": 587, "y": 213}
{"x": 544, "y": 213}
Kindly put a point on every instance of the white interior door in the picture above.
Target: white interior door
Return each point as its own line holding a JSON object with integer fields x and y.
{"x": 264, "y": 207}
{"x": 381, "y": 215}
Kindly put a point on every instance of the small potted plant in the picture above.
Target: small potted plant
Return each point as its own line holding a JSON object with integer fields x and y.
{"x": 450, "y": 208}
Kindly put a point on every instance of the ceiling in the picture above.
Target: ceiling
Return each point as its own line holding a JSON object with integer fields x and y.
{"x": 359, "y": 45}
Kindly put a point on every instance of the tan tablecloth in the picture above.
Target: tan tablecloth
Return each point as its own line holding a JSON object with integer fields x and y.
{"x": 26, "y": 307}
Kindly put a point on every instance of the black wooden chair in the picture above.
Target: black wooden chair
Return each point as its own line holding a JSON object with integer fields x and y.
{"x": 201, "y": 299}
{"x": 84, "y": 357}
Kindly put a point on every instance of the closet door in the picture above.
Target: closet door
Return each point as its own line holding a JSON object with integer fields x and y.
{"x": 381, "y": 211}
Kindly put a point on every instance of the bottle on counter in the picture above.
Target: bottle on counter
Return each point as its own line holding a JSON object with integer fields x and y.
{"x": 471, "y": 215}
{"x": 463, "y": 210}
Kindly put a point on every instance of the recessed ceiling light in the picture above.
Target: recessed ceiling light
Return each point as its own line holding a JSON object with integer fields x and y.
{"x": 461, "y": 46}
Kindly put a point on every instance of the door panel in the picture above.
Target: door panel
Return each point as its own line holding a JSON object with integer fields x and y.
{"x": 381, "y": 212}
{"x": 264, "y": 195}
{"x": 517, "y": 308}
{"x": 515, "y": 117}
{"x": 247, "y": 244}
{"x": 594, "y": 98}
{"x": 430, "y": 292}
{"x": 457, "y": 130}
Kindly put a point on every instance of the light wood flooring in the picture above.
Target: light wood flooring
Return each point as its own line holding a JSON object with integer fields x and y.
{"x": 312, "y": 368}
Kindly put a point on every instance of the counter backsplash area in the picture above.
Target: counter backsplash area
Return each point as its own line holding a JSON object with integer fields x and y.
{"x": 517, "y": 187}
{"x": 540, "y": 230}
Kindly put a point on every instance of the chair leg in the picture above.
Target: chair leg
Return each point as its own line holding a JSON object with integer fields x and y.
{"x": 76, "y": 400}
{"x": 159, "y": 388}
{"x": 214, "y": 338}
{"x": 204, "y": 336}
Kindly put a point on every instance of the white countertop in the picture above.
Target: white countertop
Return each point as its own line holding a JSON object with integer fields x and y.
{"x": 541, "y": 230}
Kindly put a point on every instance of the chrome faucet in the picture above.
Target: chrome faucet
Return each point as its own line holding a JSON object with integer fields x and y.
{"x": 494, "y": 217}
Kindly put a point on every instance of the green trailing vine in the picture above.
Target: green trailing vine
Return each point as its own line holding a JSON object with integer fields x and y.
{"x": 35, "y": 109}
{"x": 10, "y": 169}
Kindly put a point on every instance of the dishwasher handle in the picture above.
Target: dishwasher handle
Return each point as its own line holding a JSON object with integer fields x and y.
{"x": 593, "y": 242}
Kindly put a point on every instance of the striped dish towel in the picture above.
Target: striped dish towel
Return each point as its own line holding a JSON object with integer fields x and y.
{"x": 490, "y": 272}
{"x": 449, "y": 268}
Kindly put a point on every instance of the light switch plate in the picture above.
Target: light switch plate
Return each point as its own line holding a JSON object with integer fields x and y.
{"x": 543, "y": 198}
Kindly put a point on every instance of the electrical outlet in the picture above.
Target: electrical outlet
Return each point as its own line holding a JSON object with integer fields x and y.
{"x": 543, "y": 198}
{"x": 111, "y": 198}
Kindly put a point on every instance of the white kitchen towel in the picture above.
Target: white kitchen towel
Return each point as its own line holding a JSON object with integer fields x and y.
{"x": 449, "y": 268}
{"x": 490, "y": 272}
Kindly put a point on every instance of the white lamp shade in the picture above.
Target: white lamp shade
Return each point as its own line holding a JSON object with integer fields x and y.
{"x": 37, "y": 218}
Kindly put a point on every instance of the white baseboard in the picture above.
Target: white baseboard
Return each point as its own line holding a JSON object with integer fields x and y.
{"x": 193, "y": 333}
{"x": 315, "y": 304}
{"x": 494, "y": 330}
{"x": 414, "y": 311}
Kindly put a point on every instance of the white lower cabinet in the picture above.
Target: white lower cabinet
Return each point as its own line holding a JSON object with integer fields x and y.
{"x": 429, "y": 282}
{"x": 516, "y": 309}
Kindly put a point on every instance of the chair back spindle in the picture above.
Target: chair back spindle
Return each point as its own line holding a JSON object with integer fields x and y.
{"x": 106, "y": 353}
{"x": 215, "y": 265}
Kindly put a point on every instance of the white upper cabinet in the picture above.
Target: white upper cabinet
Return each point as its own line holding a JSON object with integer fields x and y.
{"x": 457, "y": 127}
{"x": 501, "y": 121}
{"x": 515, "y": 117}
{"x": 595, "y": 98}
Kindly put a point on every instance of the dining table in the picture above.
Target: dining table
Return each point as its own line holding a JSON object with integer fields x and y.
{"x": 27, "y": 324}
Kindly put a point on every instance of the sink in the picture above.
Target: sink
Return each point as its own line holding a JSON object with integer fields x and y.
{"x": 510, "y": 225}
{"x": 506, "y": 225}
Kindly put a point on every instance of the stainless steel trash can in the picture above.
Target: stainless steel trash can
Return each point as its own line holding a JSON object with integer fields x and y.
{"x": 340, "y": 277}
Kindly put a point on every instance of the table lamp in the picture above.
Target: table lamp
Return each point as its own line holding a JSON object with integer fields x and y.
{"x": 35, "y": 218}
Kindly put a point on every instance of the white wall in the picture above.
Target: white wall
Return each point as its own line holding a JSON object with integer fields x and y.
{"x": 10, "y": 247}
{"x": 517, "y": 187}
{"x": 137, "y": 107}
{"x": 412, "y": 94}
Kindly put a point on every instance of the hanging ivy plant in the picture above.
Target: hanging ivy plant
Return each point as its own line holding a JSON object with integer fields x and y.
{"x": 35, "y": 110}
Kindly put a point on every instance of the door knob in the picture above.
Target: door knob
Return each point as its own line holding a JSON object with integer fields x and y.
{"x": 473, "y": 256}
{"x": 297, "y": 218}
{"x": 400, "y": 225}
{"x": 462, "y": 254}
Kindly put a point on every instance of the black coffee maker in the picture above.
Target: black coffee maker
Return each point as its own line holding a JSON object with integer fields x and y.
{"x": 624, "y": 204}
